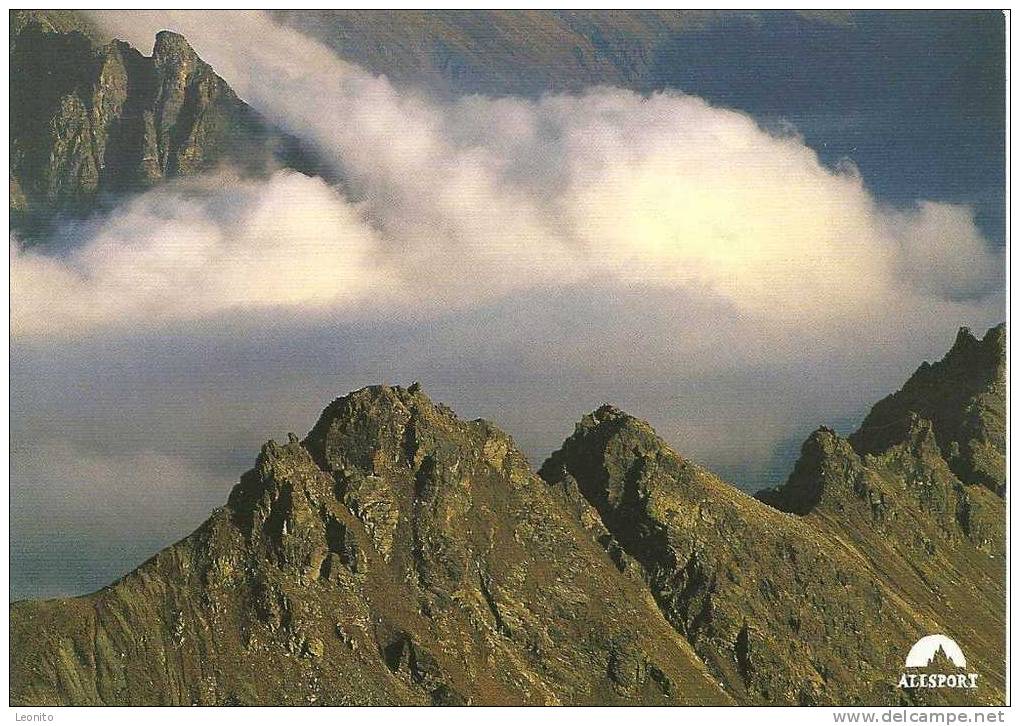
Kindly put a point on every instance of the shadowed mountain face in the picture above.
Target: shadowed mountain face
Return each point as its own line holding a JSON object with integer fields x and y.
{"x": 501, "y": 51}
{"x": 399, "y": 555}
{"x": 91, "y": 119}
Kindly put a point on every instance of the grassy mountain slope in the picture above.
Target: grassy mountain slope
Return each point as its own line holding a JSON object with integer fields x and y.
{"x": 780, "y": 609}
{"x": 912, "y": 494}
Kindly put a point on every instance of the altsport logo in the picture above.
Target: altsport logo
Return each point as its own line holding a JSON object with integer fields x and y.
{"x": 928, "y": 660}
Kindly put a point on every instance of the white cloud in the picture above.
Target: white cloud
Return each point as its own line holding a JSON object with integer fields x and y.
{"x": 197, "y": 248}
{"x": 455, "y": 203}
{"x": 942, "y": 254}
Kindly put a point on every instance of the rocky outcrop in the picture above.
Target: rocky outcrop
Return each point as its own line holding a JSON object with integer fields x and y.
{"x": 903, "y": 495}
{"x": 90, "y": 120}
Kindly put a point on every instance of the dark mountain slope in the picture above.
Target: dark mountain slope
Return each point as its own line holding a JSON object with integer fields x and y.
{"x": 515, "y": 52}
{"x": 398, "y": 555}
{"x": 496, "y": 51}
{"x": 90, "y": 119}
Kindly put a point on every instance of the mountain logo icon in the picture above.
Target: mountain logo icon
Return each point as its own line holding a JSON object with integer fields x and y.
{"x": 942, "y": 661}
{"x": 925, "y": 652}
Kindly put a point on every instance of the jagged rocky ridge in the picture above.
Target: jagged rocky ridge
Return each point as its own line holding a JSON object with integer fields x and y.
{"x": 917, "y": 491}
{"x": 397, "y": 555}
{"x": 92, "y": 119}
{"x": 401, "y": 555}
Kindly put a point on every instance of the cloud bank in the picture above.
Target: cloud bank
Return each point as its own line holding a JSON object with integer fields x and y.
{"x": 447, "y": 205}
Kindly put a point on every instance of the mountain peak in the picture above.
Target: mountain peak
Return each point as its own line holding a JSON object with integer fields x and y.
{"x": 991, "y": 345}
{"x": 354, "y": 428}
{"x": 609, "y": 412}
{"x": 825, "y": 459}
{"x": 945, "y": 423}
{"x": 400, "y": 555}
{"x": 172, "y": 45}
{"x": 751, "y": 588}
{"x": 606, "y": 445}
{"x": 964, "y": 338}
{"x": 607, "y": 422}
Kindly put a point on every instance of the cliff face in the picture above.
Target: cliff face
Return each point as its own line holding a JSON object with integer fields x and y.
{"x": 90, "y": 120}
{"x": 400, "y": 555}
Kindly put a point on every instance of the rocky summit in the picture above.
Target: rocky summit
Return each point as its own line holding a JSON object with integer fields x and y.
{"x": 99, "y": 119}
{"x": 401, "y": 555}
{"x": 397, "y": 555}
